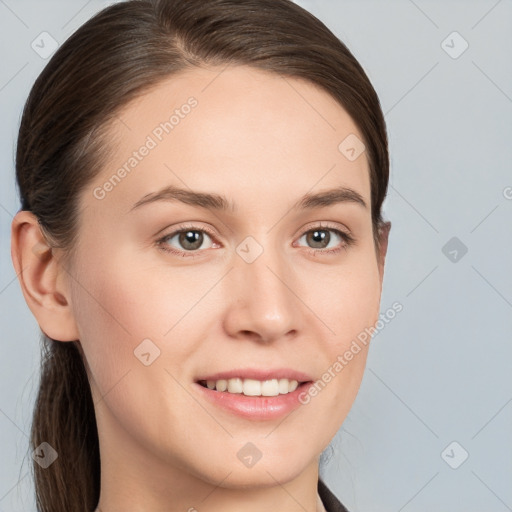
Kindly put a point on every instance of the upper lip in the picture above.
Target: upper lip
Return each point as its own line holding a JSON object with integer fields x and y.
{"x": 259, "y": 374}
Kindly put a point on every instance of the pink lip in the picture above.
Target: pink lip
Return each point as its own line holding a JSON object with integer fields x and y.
{"x": 259, "y": 374}
{"x": 255, "y": 407}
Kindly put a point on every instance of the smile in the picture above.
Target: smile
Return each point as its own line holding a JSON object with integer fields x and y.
{"x": 252, "y": 387}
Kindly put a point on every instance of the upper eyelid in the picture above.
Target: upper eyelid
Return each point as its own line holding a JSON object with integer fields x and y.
{"x": 324, "y": 225}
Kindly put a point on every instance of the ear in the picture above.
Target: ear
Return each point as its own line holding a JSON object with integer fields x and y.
{"x": 44, "y": 282}
{"x": 383, "y": 246}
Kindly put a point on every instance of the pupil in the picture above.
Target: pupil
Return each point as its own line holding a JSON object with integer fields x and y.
{"x": 191, "y": 237}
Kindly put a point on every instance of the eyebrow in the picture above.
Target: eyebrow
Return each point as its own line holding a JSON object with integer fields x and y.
{"x": 219, "y": 202}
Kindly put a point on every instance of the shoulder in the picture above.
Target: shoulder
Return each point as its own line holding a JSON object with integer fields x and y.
{"x": 331, "y": 503}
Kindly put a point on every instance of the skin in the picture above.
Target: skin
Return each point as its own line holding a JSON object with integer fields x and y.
{"x": 262, "y": 141}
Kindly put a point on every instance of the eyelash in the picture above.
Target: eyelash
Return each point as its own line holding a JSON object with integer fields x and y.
{"x": 348, "y": 240}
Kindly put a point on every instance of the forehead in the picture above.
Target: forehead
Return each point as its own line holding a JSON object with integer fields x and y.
{"x": 233, "y": 130}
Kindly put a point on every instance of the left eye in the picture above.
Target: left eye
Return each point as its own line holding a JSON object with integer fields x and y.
{"x": 321, "y": 237}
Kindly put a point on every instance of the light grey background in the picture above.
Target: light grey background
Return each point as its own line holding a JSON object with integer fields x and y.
{"x": 440, "y": 371}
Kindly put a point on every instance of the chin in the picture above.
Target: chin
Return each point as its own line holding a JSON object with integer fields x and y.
{"x": 263, "y": 474}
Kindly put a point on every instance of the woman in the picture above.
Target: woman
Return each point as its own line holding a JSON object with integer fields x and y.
{"x": 200, "y": 240}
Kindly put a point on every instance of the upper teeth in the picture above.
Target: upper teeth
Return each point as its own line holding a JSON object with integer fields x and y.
{"x": 251, "y": 387}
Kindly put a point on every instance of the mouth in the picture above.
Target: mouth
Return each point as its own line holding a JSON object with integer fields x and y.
{"x": 252, "y": 399}
{"x": 253, "y": 387}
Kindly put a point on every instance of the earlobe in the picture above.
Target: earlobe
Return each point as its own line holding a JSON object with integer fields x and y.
{"x": 42, "y": 278}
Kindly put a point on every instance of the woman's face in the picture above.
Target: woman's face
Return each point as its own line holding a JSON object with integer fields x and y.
{"x": 265, "y": 284}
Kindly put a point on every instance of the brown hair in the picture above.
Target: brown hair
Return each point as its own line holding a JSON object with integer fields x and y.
{"x": 114, "y": 57}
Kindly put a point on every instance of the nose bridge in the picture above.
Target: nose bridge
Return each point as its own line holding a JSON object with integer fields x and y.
{"x": 266, "y": 278}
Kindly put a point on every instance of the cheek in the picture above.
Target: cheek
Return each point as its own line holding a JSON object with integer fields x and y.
{"x": 121, "y": 299}
{"x": 112, "y": 316}
{"x": 120, "y": 304}
{"x": 347, "y": 300}
{"x": 116, "y": 309}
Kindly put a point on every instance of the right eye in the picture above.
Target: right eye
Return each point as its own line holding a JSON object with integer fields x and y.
{"x": 189, "y": 240}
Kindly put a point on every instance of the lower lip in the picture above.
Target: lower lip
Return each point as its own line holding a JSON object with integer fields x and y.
{"x": 255, "y": 407}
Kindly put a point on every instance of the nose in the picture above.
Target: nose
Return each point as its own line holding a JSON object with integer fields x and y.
{"x": 261, "y": 301}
